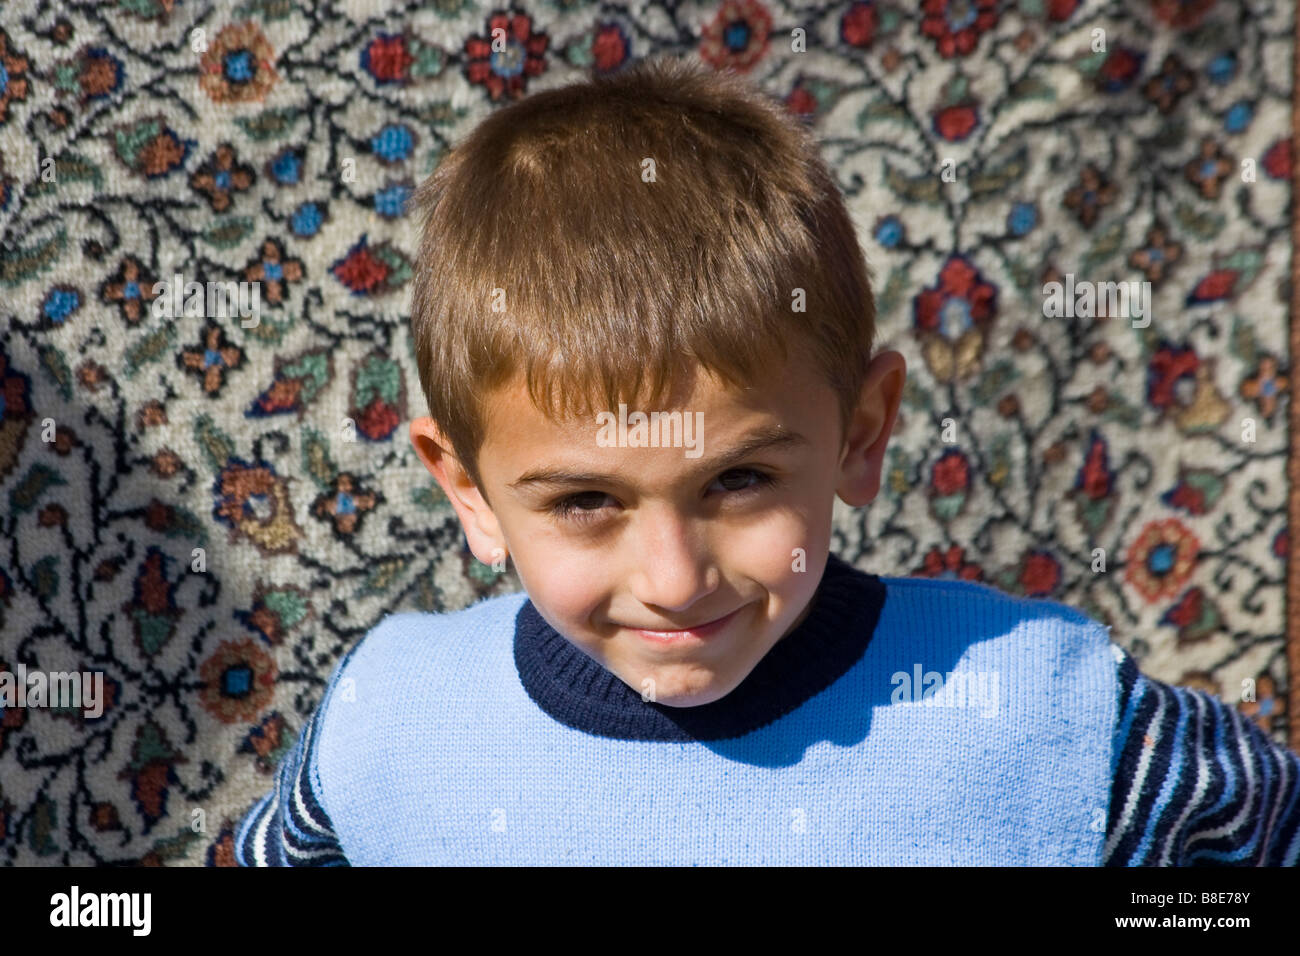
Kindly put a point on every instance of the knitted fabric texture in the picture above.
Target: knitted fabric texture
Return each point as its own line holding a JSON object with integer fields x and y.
{"x": 482, "y": 737}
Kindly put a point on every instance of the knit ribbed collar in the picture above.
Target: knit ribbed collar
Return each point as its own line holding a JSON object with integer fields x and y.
{"x": 577, "y": 691}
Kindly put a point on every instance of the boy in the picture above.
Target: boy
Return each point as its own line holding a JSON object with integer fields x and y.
{"x": 690, "y": 676}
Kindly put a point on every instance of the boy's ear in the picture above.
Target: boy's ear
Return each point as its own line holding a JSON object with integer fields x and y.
{"x": 868, "y": 434}
{"x": 477, "y": 519}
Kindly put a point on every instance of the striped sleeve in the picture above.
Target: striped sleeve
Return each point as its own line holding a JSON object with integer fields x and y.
{"x": 1194, "y": 783}
{"x": 289, "y": 825}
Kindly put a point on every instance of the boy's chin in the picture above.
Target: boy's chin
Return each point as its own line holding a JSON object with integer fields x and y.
{"x": 697, "y": 692}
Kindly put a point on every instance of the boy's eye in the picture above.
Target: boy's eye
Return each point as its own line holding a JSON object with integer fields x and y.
{"x": 570, "y": 507}
{"x": 573, "y": 507}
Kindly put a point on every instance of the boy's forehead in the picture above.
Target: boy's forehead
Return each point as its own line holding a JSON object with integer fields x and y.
{"x": 783, "y": 384}
{"x": 789, "y": 399}
{"x": 511, "y": 408}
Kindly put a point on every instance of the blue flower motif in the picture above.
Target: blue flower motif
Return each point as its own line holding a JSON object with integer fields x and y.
{"x": 60, "y": 303}
{"x": 287, "y": 167}
{"x": 391, "y": 202}
{"x": 1161, "y": 559}
{"x": 889, "y": 232}
{"x": 1222, "y": 68}
{"x": 306, "y": 220}
{"x": 238, "y": 66}
{"x": 237, "y": 681}
{"x": 1238, "y": 116}
{"x": 736, "y": 35}
{"x": 1022, "y": 218}
{"x": 393, "y": 143}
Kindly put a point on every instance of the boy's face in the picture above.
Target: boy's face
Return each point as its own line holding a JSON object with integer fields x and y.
{"x": 660, "y": 541}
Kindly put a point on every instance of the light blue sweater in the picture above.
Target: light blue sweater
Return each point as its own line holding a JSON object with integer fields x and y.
{"x": 483, "y": 737}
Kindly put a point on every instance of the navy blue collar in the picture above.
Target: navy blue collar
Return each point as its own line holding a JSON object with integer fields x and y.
{"x": 578, "y": 692}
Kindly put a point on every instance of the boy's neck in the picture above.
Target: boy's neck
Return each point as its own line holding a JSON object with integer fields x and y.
{"x": 825, "y": 641}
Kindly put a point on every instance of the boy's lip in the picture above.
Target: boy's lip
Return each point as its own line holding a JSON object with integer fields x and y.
{"x": 698, "y": 630}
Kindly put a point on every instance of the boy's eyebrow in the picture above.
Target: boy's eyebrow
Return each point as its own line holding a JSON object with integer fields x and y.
{"x": 766, "y": 437}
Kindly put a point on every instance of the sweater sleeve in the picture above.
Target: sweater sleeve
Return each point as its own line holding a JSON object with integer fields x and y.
{"x": 289, "y": 826}
{"x": 1194, "y": 783}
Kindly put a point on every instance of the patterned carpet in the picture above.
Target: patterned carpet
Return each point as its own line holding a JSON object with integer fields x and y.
{"x": 985, "y": 148}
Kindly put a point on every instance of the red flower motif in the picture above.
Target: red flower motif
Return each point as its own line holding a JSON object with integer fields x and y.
{"x": 951, "y": 474}
{"x": 1195, "y": 615}
{"x": 1219, "y": 284}
{"x": 858, "y": 26}
{"x": 950, "y": 563}
{"x": 955, "y": 26}
{"x": 954, "y": 123}
{"x": 387, "y": 58}
{"x": 1277, "y": 161}
{"x": 1187, "y": 496}
{"x": 1119, "y": 69}
{"x": 1181, "y": 13}
{"x": 378, "y": 420}
{"x": 361, "y": 270}
{"x": 737, "y": 37}
{"x": 952, "y": 320}
{"x": 1095, "y": 477}
{"x": 506, "y": 72}
{"x": 1161, "y": 559}
{"x": 1187, "y": 611}
{"x": 1166, "y": 368}
{"x": 958, "y": 279}
{"x": 1058, "y": 10}
{"x": 608, "y": 48}
{"x": 1040, "y": 574}
{"x": 801, "y": 102}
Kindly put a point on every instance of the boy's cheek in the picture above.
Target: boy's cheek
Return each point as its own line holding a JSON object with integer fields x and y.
{"x": 569, "y": 587}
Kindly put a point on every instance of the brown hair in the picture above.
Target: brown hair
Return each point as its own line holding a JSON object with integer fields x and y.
{"x": 639, "y": 224}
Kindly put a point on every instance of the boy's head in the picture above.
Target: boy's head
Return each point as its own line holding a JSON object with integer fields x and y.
{"x": 667, "y": 238}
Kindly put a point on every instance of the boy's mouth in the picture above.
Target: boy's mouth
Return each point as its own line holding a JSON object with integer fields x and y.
{"x": 695, "y": 633}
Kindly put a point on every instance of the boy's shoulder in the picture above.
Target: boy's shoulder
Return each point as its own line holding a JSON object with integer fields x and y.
{"x": 410, "y": 663}
{"x": 405, "y": 643}
{"x": 1038, "y": 640}
{"x": 974, "y": 601}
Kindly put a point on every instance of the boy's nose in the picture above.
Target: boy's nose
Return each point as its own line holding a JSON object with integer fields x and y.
{"x": 673, "y": 571}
